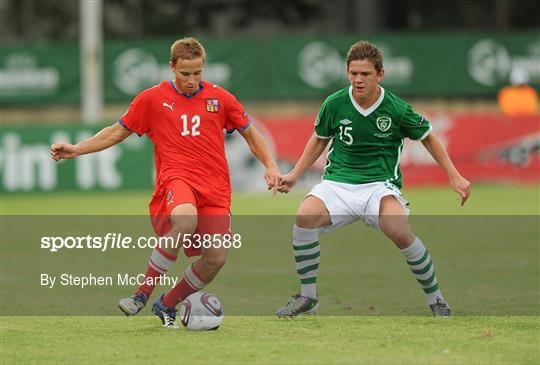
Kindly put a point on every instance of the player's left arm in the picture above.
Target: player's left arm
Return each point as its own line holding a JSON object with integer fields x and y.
{"x": 259, "y": 148}
{"x": 458, "y": 183}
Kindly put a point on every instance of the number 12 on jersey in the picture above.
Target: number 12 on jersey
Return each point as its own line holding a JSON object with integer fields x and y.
{"x": 195, "y": 123}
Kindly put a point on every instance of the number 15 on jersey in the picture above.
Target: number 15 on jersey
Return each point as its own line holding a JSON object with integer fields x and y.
{"x": 345, "y": 135}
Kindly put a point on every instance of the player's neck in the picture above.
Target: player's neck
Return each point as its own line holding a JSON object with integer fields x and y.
{"x": 367, "y": 101}
{"x": 183, "y": 92}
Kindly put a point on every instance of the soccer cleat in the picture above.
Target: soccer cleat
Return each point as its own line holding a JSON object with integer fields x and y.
{"x": 298, "y": 305}
{"x": 133, "y": 305}
{"x": 166, "y": 314}
{"x": 441, "y": 309}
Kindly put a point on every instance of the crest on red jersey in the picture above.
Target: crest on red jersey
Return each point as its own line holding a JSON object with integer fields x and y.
{"x": 212, "y": 105}
{"x": 169, "y": 198}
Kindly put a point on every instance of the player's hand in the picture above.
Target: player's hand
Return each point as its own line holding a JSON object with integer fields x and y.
{"x": 63, "y": 151}
{"x": 272, "y": 176}
{"x": 461, "y": 186}
{"x": 287, "y": 182}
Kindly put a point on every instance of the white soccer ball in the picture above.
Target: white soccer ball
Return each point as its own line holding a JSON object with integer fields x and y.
{"x": 201, "y": 312}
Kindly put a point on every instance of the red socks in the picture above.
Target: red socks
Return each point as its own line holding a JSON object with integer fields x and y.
{"x": 158, "y": 264}
{"x": 189, "y": 284}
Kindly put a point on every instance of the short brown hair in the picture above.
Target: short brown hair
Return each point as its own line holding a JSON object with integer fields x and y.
{"x": 187, "y": 49}
{"x": 364, "y": 50}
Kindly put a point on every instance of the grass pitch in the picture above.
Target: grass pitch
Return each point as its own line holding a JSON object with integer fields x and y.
{"x": 492, "y": 284}
{"x": 484, "y": 200}
{"x": 267, "y": 340}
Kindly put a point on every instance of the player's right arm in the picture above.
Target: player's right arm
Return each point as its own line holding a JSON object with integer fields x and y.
{"x": 106, "y": 138}
{"x": 314, "y": 148}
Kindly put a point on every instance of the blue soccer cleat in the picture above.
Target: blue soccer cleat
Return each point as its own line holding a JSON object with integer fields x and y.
{"x": 166, "y": 314}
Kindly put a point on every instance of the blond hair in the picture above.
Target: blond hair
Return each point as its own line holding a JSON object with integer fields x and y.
{"x": 364, "y": 50}
{"x": 187, "y": 48}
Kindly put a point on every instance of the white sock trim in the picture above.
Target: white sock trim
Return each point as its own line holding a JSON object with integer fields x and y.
{"x": 309, "y": 274}
{"x": 304, "y": 264}
{"x": 431, "y": 298}
{"x": 309, "y": 290}
{"x": 304, "y": 236}
{"x": 415, "y": 251}
{"x": 310, "y": 251}
{"x": 192, "y": 279}
{"x": 159, "y": 262}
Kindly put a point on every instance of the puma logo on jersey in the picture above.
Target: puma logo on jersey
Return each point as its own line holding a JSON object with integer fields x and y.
{"x": 168, "y": 106}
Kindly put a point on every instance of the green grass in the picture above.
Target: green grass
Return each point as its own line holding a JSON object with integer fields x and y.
{"x": 484, "y": 200}
{"x": 486, "y": 255}
{"x": 267, "y": 340}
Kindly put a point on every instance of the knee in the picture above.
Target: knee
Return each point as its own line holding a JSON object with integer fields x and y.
{"x": 183, "y": 225}
{"x": 400, "y": 234}
{"x": 215, "y": 262}
{"x": 306, "y": 221}
{"x": 307, "y": 217}
{"x": 404, "y": 240}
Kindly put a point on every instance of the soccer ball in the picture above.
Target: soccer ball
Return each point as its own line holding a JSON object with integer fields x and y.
{"x": 201, "y": 312}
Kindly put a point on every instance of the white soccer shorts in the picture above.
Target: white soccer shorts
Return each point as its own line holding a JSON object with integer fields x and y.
{"x": 348, "y": 203}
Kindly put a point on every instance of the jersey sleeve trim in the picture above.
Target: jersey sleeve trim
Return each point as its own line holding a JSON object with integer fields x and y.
{"x": 245, "y": 127}
{"x": 430, "y": 129}
{"x": 322, "y": 137}
{"x": 126, "y": 127}
{"x": 231, "y": 131}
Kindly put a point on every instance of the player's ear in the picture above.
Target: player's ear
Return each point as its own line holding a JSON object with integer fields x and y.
{"x": 380, "y": 75}
{"x": 171, "y": 66}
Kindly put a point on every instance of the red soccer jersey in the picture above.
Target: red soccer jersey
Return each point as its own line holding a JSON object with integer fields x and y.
{"x": 188, "y": 135}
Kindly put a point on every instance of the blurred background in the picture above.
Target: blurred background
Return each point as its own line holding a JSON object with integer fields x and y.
{"x": 68, "y": 68}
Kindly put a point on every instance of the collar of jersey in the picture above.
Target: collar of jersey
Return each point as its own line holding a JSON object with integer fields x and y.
{"x": 368, "y": 111}
{"x": 184, "y": 94}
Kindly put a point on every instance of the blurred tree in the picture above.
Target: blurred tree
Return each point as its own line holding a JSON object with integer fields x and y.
{"x": 462, "y": 14}
{"x": 58, "y": 20}
{"x": 34, "y": 20}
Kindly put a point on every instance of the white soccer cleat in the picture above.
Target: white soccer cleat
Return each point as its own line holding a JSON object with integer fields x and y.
{"x": 298, "y": 305}
{"x": 441, "y": 309}
{"x": 133, "y": 305}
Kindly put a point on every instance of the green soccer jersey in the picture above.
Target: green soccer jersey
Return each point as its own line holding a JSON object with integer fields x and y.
{"x": 367, "y": 144}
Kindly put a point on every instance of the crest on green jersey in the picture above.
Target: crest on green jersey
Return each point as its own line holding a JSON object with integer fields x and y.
{"x": 383, "y": 123}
